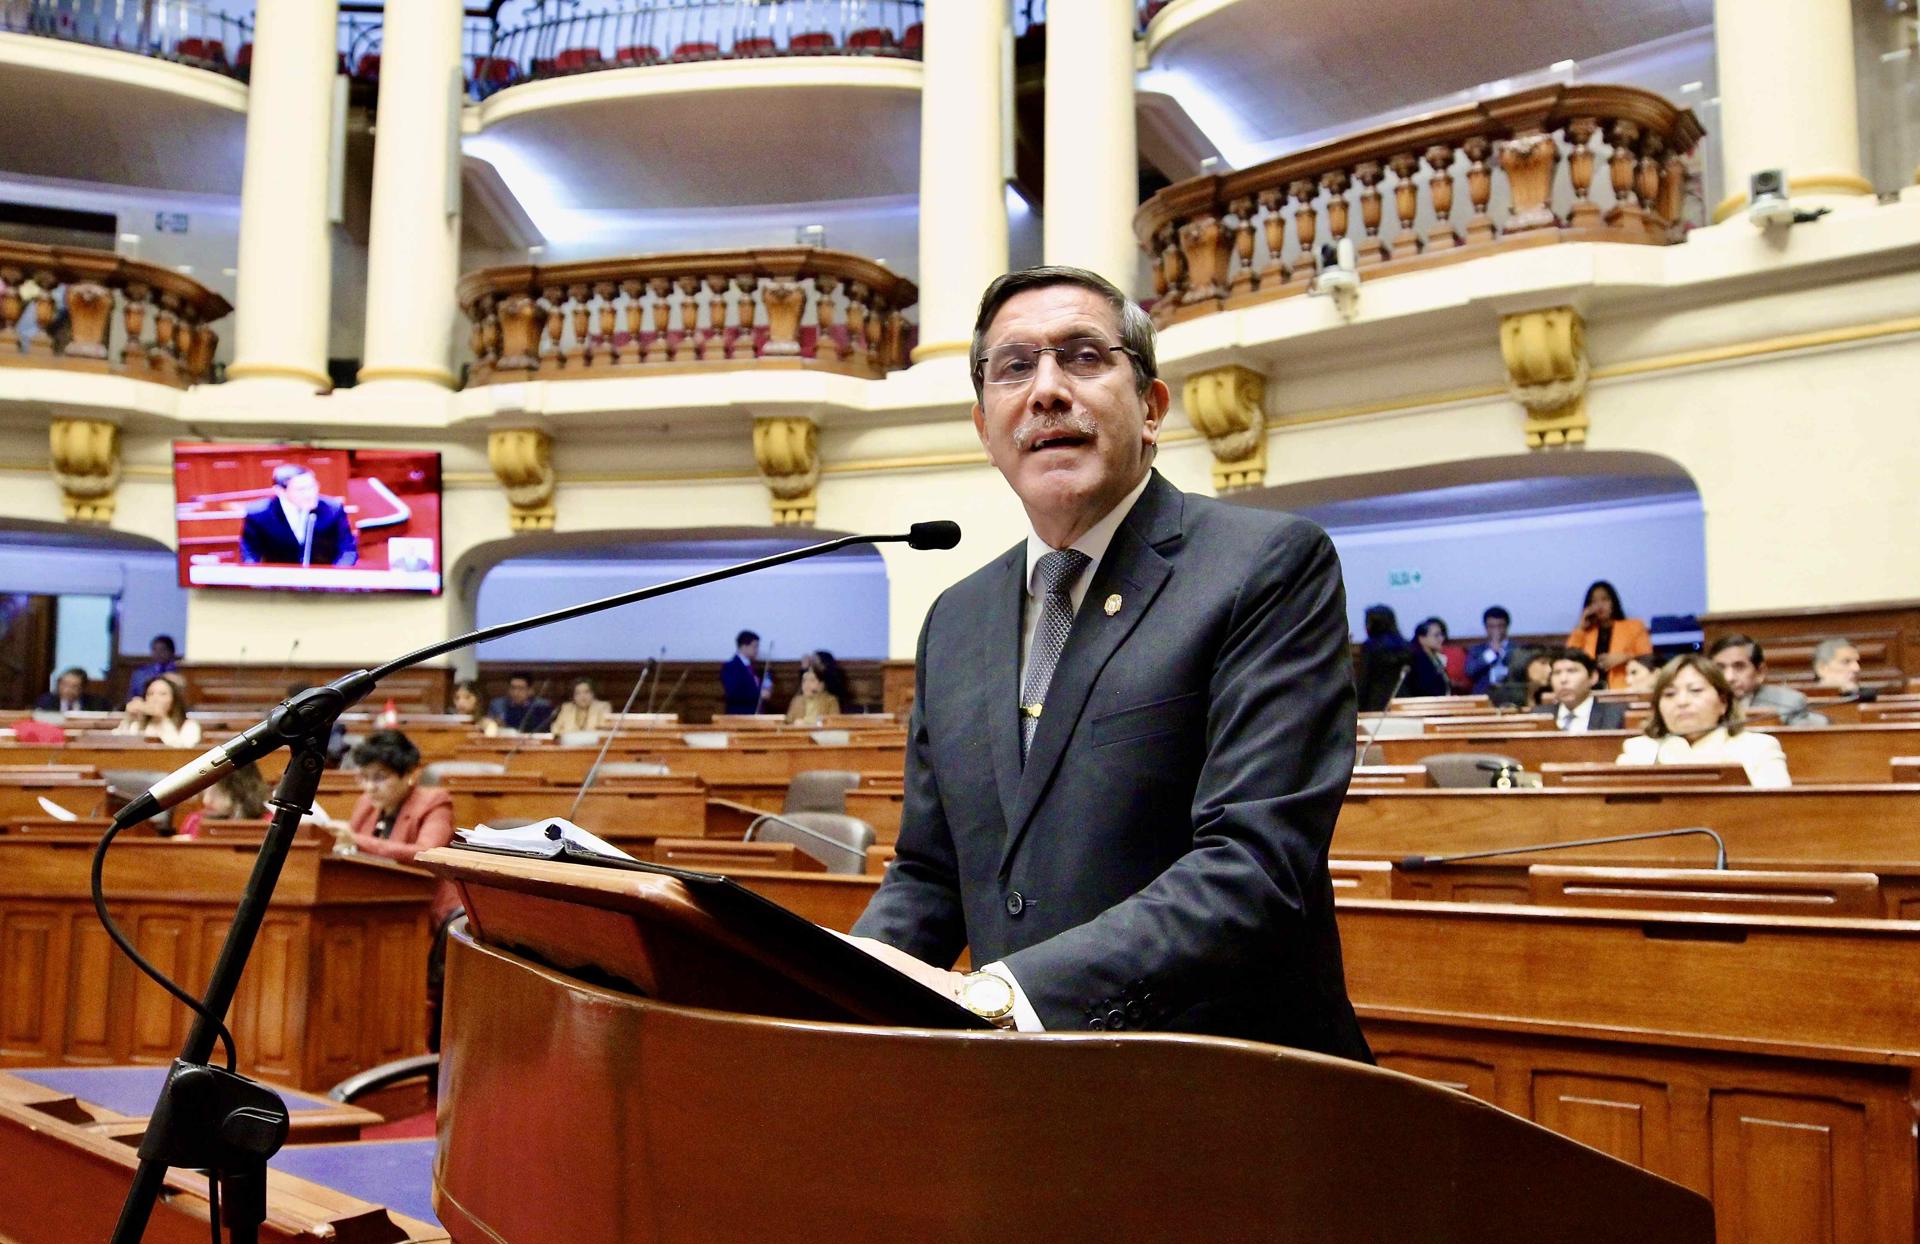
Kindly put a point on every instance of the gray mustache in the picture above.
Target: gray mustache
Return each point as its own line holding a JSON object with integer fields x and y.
{"x": 1079, "y": 425}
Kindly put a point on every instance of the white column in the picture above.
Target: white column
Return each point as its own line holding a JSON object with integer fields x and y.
{"x": 963, "y": 204}
{"x": 1787, "y": 101}
{"x": 413, "y": 246}
{"x": 1092, "y": 164}
{"x": 281, "y": 304}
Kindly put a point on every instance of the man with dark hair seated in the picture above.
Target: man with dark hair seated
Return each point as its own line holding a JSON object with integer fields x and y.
{"x": 1575, "y": 675}
{"x": 1744, "y": 663}
{"x": 520, "y": 709}
{"x": 70, "y": 695}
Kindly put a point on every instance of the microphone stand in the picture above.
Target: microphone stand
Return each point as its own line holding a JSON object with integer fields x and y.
{"x": 220, "y": 1121}
{"x": 593, "y": 770}
{"x": 1380, "y": 718}
{"x": 1719, "y": 843}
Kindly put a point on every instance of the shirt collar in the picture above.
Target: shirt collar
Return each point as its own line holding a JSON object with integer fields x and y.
{"x": 1093, "y": 542}
{"x": 296, "y": 521}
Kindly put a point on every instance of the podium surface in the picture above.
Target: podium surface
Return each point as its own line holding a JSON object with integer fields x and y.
{"x": 575, "y": 1107}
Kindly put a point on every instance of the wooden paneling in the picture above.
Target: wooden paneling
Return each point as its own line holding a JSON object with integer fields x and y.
{"x": 690, "y": 688}
{"x": 1858, "y": 753}
{"x": 1788, "y": 1169}
{"x": 1887, "y": 632}
{"x": 1617, "y": 1115}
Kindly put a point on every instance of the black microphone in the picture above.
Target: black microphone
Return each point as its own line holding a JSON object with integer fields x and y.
{"x": 296, "y": 717}
{"x": 1428, "y": 861}
{"x": 1381, "y": 719}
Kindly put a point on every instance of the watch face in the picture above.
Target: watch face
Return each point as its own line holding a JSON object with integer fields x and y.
{"x": 986, "y": 995}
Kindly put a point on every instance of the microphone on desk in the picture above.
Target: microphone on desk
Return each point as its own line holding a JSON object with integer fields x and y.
{"x": 1428, "y": 861}
{"x": 593, "y": 771}
{"x": 655, "y": 688}
{"x": 286, "y": 670}
{"x": 1381, "y": 718}
{"x": 806, "y": 830}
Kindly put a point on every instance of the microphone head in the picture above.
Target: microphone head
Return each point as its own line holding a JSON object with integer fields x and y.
{"x": 1413, "y": 861}
{"x": 941, "y": 534}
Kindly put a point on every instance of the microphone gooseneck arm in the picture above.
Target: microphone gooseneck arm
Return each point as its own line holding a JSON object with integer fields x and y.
{"x": 1380, "y": 718}
{"x": 593, "y": 771}
{"x": 1719, "y": 843}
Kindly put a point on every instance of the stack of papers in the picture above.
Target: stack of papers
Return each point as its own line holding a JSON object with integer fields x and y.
{"x": 550, "y": 839}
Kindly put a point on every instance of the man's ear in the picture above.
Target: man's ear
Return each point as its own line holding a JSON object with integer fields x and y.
{"x": 980, "y": 425}
{"x": 1157, "y": 398}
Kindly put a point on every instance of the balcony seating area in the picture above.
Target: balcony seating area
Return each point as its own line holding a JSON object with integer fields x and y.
{"x": 191, "y": 33}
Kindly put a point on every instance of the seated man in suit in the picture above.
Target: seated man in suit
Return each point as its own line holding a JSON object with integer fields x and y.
{"x": 297, "y": 526}
{"x": 1575, "y": 675}
{"x": 1131, "y": 731}
{"x": 521, "y": 708}
{"x": 1744, "y": 663}
{"x": 1487, "y": 661}
{"x": 70, "y": 695}
{"x": 1836, "y": 663}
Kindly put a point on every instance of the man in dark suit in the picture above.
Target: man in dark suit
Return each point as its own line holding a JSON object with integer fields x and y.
{"x": 742, "y": 688}
{"x": 1575, "y": 676}
{"x": 1132, "y": 732}
{"x": 70, "y": 695}
{"x": 297, "y": 526}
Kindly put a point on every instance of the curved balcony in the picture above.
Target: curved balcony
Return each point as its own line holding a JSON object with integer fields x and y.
{"x": 177, "y": 30}
{"x": 651, "y": 32}
{"x": 95, "y": 311}
{"x": 1498, "y": 174}
{"x": 791, "y": 307}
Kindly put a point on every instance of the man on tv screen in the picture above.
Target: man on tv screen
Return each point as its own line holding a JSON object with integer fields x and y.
{"x": 297, "y": 526}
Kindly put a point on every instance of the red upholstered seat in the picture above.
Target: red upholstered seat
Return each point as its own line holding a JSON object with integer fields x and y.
{"x": 573, "y": 60}
{"x": 870, "y": 38}
{"x": 542, "y": 66}
{"x": 1153, "y": 8}
{"x": 369, "y": 66}
{"x": 243, "y": 58}
{"x": 637, "y": 54}
{"x": 914, "y": 39}
{"x": 811, "y": 41}
{"x": 492, "y": 71}
{"x": 696, "y": 51}
{"x": 755, "y": 47}
{"x": 202, "y": 49}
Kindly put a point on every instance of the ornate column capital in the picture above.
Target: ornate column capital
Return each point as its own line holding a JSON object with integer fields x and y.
{"x": 522, "y": 460}
{"x": 1227, "y": 406}
{"x": 1546, "y": 357}
{"x": 787, "y": 450}
{"x": 86, "y": 465}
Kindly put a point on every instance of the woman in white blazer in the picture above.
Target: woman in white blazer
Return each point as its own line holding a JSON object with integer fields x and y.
{"x": 1695, "y": 721}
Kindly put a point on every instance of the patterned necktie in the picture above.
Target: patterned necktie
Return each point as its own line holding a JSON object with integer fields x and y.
{"x": 1058, "y": 570}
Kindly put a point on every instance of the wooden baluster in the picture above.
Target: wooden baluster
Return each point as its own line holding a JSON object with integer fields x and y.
{"x": 160, "y": 355}
{"x": 659, "y": 288}
{"x": 1673, "y": 189}
{"x": 1625, "y": 214}
{"x": 89, "y": 320}
{"x": 1528, "y": 159}
{"x": 490, "y": 331}
{"x": 1156, "y": 259}
{"x": 1244, "y": 276}
{"x": 1439, "y": 161}
{"x": 856, "y": 320}
{"x": 1335, "y": 183}
{"x": 133, "y": 317}
{"x": 1370, "y": 248}
{"x": 183, "y": 331}
{"x": 686, "y": 350}
{"x": 826, "y": 347}
{"x": 635, "y": 317}
{"x": 200, "y": 357}
{"x": 581, "y": 315}
{"x": 743, "y": 344}
{"x": 1479, "y": 189}
{"x": 715, "y": 351}
{"x": 476, "y": 313}
{"x": 45, "y": 282}
{"x": 1585, "y": 213}
{"x": 11, "y": 309}
{"x": 896, "y": 355}
{"x": 877, "y": 333}
{"x": 1273, "y": 274}
{"x": 1173, "y": 265}
{"x": 1647, "y": 186}
{"x": 600, "y": 349}
{"x": 523, "y": 325}
{"x": 786, "y": 302}
{"x": 551, "y": 357}
{"x": 1406, "y": 204}
{"x": 1205, "y": 244}
{"x": 1306, "y": 224}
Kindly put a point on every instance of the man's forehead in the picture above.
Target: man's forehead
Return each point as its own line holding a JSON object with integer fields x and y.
{"x": 1052, "y": 311}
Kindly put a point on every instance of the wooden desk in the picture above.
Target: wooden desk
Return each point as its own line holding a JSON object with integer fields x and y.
{"x": 1815, "y": 754}
{"x": 117, "y": 1102}
{"x": 771, "y": 761}
{"x": 618, "y": 809}
{"x": 336, "y": 983}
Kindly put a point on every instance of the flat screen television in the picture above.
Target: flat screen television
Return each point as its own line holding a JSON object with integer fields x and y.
{"x": 294, "y": 517}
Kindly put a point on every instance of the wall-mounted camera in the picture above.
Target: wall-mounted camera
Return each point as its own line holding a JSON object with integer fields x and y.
{"x": 1768, "y": 206}
{"x": 1338, "y": 275}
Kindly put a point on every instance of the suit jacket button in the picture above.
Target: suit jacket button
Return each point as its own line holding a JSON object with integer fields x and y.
{"x": 1015, "y": 904}
{"x": 1116, "y": 1019}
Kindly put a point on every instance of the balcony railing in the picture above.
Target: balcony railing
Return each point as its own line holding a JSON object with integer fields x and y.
{"x": 95, "y": 311}
{"x": 710, "y": 310}
{"x": 193, "y": 34}
{"x": 1554, "y": 164}
{"x": 1030, "y": 16}
{"x": 647, "y": 32}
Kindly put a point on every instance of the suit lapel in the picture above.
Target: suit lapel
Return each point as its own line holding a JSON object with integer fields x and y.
{"x": 1000, "y": 663}
{"x": 1133, "y": 569}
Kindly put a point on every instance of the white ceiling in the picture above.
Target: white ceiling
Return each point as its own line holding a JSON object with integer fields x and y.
{"x": 1280, "y": 70}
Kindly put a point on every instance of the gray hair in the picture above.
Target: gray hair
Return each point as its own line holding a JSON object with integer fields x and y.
{"x": 1827, "y": 649}
{"x": 1136, "y": 326}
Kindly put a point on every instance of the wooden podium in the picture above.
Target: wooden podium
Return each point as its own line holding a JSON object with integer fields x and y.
{"x": 659, "y": 1056}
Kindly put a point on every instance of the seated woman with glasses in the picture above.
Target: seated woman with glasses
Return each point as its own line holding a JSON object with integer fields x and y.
{"x": 395, "y": 817}
{"x": 1695, "y": 721}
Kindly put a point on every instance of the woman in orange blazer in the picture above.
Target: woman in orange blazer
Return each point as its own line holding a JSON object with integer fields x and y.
{"x": 1608, "y": 635}
{"x": 396, "y": 817}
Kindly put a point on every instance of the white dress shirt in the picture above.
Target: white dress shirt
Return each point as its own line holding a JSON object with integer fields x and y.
{"x": 1759, "y": 754}
{"x": 1574, "y": 720}
{"x": 1094, "y": 543}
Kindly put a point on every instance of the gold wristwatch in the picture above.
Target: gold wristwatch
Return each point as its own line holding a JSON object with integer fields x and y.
{"x": 988, "y": 996}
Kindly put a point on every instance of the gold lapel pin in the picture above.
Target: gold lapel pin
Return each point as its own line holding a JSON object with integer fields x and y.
{"x": 1113, "y": 604}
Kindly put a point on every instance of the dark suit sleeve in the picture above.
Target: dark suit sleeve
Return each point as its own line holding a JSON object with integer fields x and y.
{"x": 1280, "y": 740}
{"x": 917, "y": 907}
{"x": 252, "y": 539}
{"x": 348, "y": 548}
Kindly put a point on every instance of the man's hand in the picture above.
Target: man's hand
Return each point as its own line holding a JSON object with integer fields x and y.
{"x": 940, "y": 980}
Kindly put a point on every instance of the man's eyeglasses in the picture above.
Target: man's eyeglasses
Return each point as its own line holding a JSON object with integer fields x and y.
{"x": 1016, "y": 362}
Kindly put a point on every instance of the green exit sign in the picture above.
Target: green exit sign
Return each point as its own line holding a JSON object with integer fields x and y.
{"x": 1403, "y": 578}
